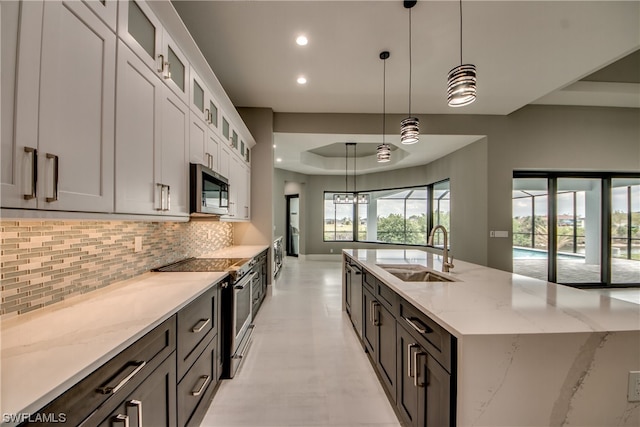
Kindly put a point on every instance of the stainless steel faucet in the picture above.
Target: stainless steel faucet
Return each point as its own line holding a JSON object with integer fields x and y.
{"x": 446, "y": 264}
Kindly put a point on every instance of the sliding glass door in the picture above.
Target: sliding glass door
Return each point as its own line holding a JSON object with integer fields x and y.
{"x": 625, "y": 230}
{"x": 578, "y": 229}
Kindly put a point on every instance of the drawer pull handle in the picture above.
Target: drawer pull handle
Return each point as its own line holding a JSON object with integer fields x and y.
{"x": 204, "y": 384}
{"x": 421, "y": 329}
{"x": 200, "y": 325}
{"x": 120, "y": 420}
{"x": 138, "y": 405}
{"x": 126, "y": 377}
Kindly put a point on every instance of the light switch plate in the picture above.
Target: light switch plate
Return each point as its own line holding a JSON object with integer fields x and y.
{"x": 633, "y": 394}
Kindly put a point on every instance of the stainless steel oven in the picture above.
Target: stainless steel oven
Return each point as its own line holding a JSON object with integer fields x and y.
{"x": 242, "y": 327}
{"x": 237, "y": 304}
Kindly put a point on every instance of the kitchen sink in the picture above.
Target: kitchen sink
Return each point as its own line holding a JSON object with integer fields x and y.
{"x": 414, "y": 273}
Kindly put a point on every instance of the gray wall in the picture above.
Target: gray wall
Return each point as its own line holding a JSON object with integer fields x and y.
{"x": 260, "y": 230}
{"x": 532, "y": 138}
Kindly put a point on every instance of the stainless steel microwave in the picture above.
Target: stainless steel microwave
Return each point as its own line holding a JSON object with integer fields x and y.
{"x": 209, "y": 191}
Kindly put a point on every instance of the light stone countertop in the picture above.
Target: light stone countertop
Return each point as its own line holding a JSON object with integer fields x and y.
{"x": 487, "y": 301}
{"x": 46, "y": 352}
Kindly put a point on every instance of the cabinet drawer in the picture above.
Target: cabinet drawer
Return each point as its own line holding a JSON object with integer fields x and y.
{"x": 387, "y": 297}
{"x": 197, "y": 386}
{"x": 436, "y": 340}
{"x": 154, "y": 401}
{"x": 368, "y": 280}
{"x": 195, "y": 321}
{"x": 122, "y": 374}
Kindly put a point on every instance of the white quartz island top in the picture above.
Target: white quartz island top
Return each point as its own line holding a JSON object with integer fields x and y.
{"x": 46, "y": 352}
{"x": 486, "y": 301}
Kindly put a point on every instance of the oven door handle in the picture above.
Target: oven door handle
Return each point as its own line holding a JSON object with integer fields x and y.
{"x": 244, "y": 282}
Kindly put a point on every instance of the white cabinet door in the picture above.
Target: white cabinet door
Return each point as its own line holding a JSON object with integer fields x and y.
{"x": 224, "y": 164}
{"x": 142, "y": 32}
{"x": 175, "y": 155}
{"x": 175, "y": 68}
{"x": 77, "y": 100}
{"x": 107, "y": 10}
{"x": 137, "y": 130}
{"x": 247, "y": 194}
{"x": 197, "y": 140}
{"x": 20, "y": 75}
{"x": 213, "y": 151}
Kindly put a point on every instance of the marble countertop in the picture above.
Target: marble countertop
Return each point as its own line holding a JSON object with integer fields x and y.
{"x": 486, "y": 301}
{"x": 46, "y": 352}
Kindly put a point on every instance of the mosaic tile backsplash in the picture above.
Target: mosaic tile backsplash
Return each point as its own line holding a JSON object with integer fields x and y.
{"x": 44, "y": 262}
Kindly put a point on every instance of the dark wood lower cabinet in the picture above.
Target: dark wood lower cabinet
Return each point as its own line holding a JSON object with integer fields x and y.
{"x": 379, "y": 336}
{"x": 424, "y": 386}
{"x": 152, "y": 403}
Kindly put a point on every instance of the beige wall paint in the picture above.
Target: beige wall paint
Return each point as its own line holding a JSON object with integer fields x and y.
{"x": 535, "y": 137}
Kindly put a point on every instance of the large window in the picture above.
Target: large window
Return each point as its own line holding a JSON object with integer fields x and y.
{"x": 398, "y": 216}
{"x": 581, "y": 229}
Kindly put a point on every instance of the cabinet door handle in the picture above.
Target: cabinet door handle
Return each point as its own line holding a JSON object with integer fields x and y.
{"x": 409, "y": 361}
{"x": 199, "y": 390}
{"x": 200, "y": 325}
{"x": 376, "y": 318}
{"x": 125, "y": 375}
{"x": 120, "y": 420}
{"x": 161, "y": 58}
{"x": 161, "y": 186}
{"x": 55, "y": 177}
{"x": 421, "y": 329}
{"x": 208, "y": 115}
{"x": 167, "y": 75}
{"x": 416, "y": 378}
{"x": 138, "y": 405}
{"x": 168, "y": 198}
{"x": 371, "y": 312}
{"x": 34, "y": 172}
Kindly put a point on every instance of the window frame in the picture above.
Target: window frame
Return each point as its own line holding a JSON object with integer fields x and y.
{"x": 356, "y": 217}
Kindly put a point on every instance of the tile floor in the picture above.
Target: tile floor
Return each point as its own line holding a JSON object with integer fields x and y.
{"x": 305, "y": 366}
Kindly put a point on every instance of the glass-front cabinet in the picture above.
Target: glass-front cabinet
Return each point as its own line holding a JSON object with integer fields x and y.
{"x": 142, "y": 31}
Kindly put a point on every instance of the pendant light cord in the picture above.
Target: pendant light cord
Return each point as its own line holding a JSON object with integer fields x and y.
{"x": 410, "y": 66}
{"x": 346, "y": 169}
{"x": 384, "y": 95}
{"x": 460, "y": 32}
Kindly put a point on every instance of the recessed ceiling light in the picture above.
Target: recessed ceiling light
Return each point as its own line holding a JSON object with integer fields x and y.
{"x": 274, "y": 145}
{"x": 278, "y": 160}
{"x": 301, "y": 80}
{"x": 302, "y": 41}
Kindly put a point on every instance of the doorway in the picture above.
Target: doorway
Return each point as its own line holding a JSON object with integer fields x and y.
{"x": 293, "y": 224}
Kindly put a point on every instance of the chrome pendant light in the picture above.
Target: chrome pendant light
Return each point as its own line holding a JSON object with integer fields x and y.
{"x": 409, "y": 127}
{"x": 383, "y": 152}
{"x": 461, "y": 80}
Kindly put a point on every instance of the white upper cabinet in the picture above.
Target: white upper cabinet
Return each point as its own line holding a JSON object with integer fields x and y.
{"x": 62, "y": 145}
{"x": 107, "y": 10}
{"x": 151, "y": 142}
{"x": 142, "y": 31}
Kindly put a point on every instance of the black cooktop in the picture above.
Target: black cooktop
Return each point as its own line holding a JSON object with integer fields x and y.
{"x": 205, "y": 264}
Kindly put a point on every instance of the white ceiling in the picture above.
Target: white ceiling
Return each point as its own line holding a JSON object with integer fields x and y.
{"x": 525, "y": 52}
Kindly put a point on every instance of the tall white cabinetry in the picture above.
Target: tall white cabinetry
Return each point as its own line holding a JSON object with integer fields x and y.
{"x": 61, "y": 148}
{"x": 152, "y": 124}
{"x": 102, "y": 111}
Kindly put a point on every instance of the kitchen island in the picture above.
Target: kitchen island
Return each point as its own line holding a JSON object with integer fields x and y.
{"x": 526, "y": 352}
